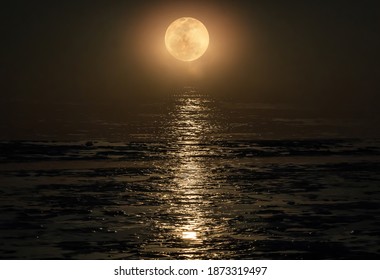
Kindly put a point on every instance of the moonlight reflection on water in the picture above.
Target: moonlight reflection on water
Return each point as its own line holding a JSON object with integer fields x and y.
{"x": 191, "y": 188}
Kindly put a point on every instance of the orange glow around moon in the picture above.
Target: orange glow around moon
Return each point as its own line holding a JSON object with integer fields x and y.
{"x": 186, "y": 39}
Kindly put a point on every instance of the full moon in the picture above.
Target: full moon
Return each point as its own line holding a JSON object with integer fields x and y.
{"x": 186, "y": 39}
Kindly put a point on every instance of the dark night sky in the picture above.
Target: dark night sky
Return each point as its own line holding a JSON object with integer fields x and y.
{"x": 324, "y": 53}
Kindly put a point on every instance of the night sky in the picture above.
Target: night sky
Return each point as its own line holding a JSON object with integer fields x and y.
{"x": 309, "y": 53}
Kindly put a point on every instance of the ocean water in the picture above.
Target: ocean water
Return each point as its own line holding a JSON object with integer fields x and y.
{"x": 199, "y": 179}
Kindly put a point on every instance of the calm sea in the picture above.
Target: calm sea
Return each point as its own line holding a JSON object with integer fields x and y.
{"x": 194, "y": 178}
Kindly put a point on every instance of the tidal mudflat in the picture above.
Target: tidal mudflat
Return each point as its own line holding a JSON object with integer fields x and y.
{"x": 200, "y": 185}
